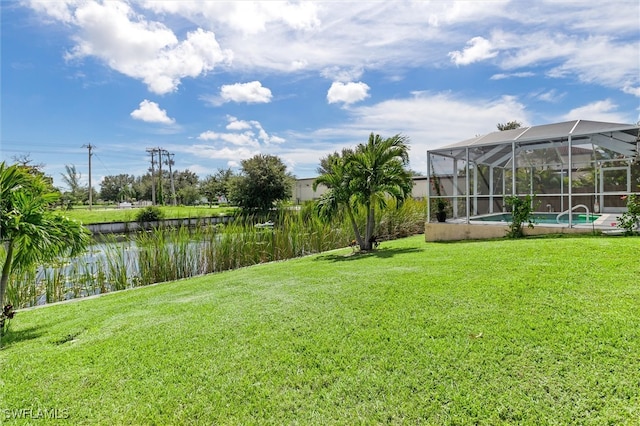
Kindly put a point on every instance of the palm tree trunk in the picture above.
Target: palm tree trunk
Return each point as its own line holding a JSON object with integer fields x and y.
{"x": 6, "y": 270}
{"x": 355, "y": 226}
{"x": 372, "y": 225}
{"x": 369, "y": 228}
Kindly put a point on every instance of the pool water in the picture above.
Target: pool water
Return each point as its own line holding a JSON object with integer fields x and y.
{"x": 541, "y": 218}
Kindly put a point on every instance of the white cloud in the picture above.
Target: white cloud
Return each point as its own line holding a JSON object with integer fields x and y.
{"x": 130, "y": 44}
{"x": 246, "y": 18}
{"x": 239, "y": 139}
{"x": 478, "y": 49}
{"x": 243, "y": 137}
{"x": 151, "y": 113}
{"x": 620, "y": 69}
{"x": 290, "y": 36}
{"x": 58, "y": 10}
{"x": 632, "y": 90}
{"x": 341, "y": 74}
{"x": 569, "y": 55}
{"x": 235, "y": 124}
{"x": 224, "y": 153}
{"x": 502, "y": 76}
{"x": 347, "y": 93}
{"x": 550, "y": 96}
{"x": 251, "y": 93}
{"x": 603, "y": 110}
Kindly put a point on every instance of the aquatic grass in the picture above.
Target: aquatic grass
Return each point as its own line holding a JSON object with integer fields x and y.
{"x": 118, "y": 266}
{"x": 55, "y": 282}
{"x": 402, "y": 221}
{"x": 27, "y": 292}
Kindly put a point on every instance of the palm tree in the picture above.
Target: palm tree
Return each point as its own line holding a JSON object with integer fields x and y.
{"x": 72, "y": 177}
{"x": 335, "y": 176}
{"x": 378, "y": 172}
{"x": 365, "y": 177}
{"x": 30, "y": 232}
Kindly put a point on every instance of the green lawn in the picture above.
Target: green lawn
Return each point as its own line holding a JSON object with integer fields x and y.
{"x": 534, "y": 331}
{"x": 102, "y": 215}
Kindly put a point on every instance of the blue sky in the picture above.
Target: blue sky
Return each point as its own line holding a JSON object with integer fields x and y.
{"x": 216, "y": 82}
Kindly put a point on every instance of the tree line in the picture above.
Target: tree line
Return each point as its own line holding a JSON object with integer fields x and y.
{"x": 261, "y": 181}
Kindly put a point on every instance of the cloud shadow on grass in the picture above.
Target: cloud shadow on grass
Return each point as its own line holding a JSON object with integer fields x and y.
{"x": 383, "y": 253}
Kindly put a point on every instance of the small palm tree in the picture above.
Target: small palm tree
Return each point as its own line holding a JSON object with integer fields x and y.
{"x": 378, "y": 172}
{"x": 30, "y": 232}
{"x": 365, "y": 177}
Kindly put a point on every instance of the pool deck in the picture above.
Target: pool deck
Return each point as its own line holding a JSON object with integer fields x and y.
{"x": 458, "y": 229}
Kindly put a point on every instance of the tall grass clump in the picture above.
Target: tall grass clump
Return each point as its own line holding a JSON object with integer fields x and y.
{"x": 399, "y": 221}
{"x": 396, "y": 220}
{"x": 169, "y": 254}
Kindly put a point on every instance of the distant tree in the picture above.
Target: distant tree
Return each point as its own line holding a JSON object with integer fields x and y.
{"x": 332, "y": 160}
{"x": 262, "y": 182}
{"x": 509, "y": 126}
{"x": 142, "y": 187}
{"x": 188, "y": 195}
{"x": 217, "y": 186}
{"x": 77, "y": 192}
{"x": 26, "y": 161}
{"x": 117, "y": 188}
{"x": 35, "y": 169}
{"x": 30, "y": 231}
{"x": 185, "y": 179}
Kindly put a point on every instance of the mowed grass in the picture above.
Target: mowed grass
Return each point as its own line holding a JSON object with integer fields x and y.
{"x": 534, "y": 331}
{"x": 106, "y": 215}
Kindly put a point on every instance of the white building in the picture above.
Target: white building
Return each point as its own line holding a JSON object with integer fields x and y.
{"x": 303, "y": 189}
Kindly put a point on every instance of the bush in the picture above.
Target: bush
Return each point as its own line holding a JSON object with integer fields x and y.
{"x": 149, "y": 214}
{"x": 6, "y": 314}
{"x": 521, "y": 209}
{"x": 630, "y": 220}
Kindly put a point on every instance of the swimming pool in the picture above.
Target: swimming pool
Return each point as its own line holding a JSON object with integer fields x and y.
{"x": 542, "y": 218}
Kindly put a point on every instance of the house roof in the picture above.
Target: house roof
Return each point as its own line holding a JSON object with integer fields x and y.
{"x": 578, "y": 129}
{"x": 496, "y": 149}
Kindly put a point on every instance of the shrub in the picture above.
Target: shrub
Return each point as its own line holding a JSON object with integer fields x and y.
{"x": 6, "y": 314}
{"x": 149, "y": 214}
{"x": 521, "y": 209}
{"x": 630, "y": 220}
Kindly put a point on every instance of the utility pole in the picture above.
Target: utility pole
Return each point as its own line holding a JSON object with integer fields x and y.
{"x": 90, "y": 148}
{"x": 153, "y": 175}
{"x": 169, "y": 162}
{"x": 160, "y": 191}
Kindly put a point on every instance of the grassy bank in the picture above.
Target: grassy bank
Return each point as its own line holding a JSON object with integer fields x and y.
{"x": 535, "y": 331}
{"x": 105, "y": 215}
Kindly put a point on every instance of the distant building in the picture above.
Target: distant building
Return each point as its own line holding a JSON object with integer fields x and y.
{"x": 303, "y": 189}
